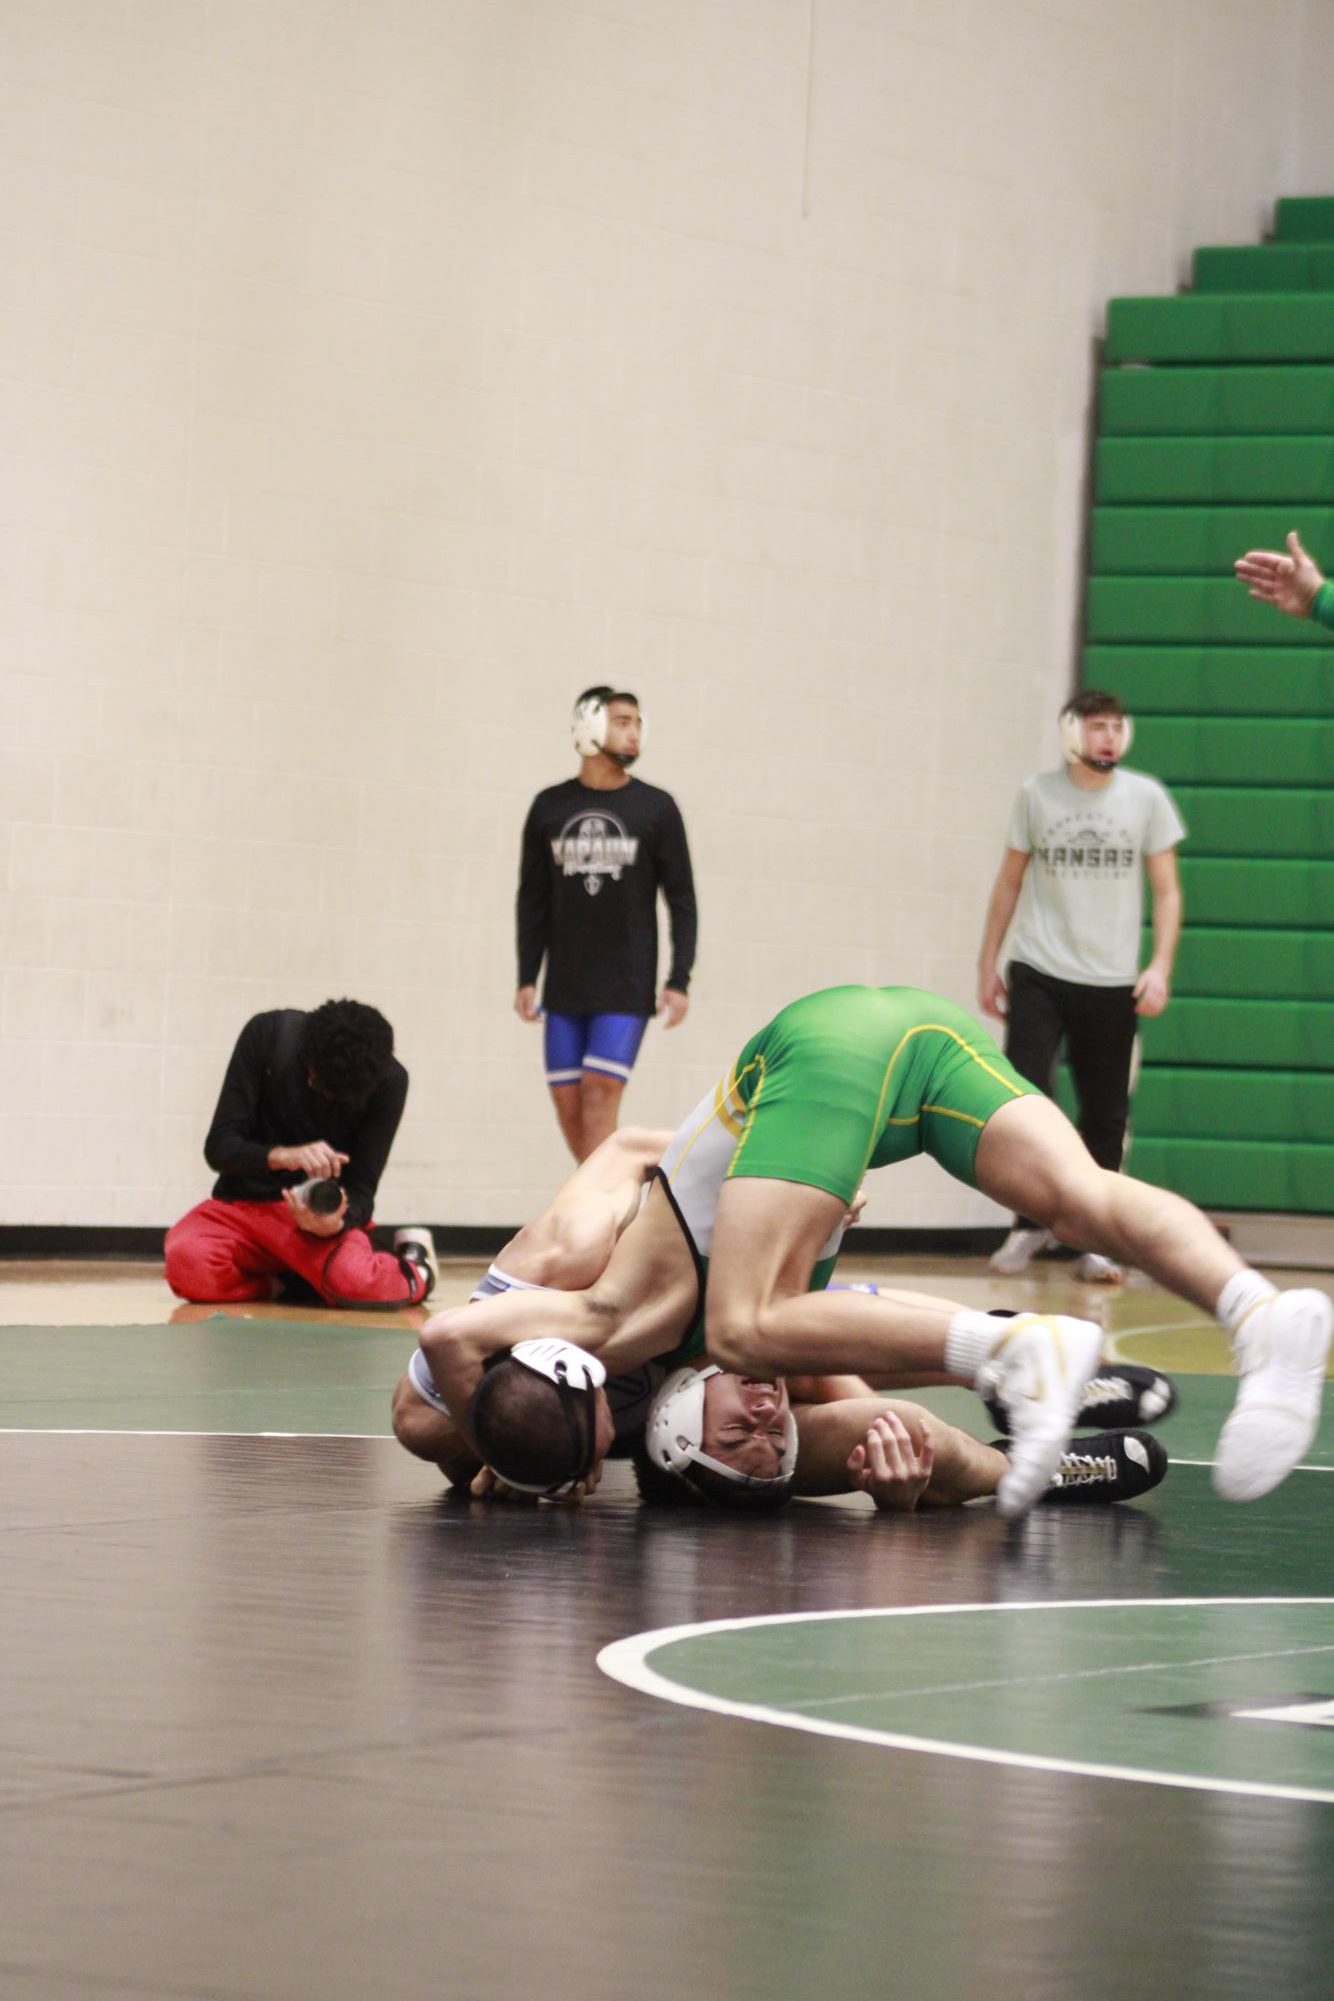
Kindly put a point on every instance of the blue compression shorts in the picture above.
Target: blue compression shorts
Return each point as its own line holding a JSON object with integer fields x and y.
{"x": 608, "y": 1043}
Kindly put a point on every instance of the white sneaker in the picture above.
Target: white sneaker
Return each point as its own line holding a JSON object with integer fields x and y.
{"x": 1038, "y": 1369}
{"x": 1019, "y": 1247}
{"x": 1095, "y": 1269}
{"x": 1281, "y": 1353}
{"x": 420, "y": 1245}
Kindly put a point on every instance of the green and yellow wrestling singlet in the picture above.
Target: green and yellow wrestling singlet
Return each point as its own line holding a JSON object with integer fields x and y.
{"x": 860, "y": 1077}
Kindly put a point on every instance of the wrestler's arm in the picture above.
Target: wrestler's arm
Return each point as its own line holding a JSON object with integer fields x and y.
{"x": 567, "y": 1246}
{"x": 428, "y": 1434}
{"x": 962, "y": 1469}
{"x": 458, "y": 1342}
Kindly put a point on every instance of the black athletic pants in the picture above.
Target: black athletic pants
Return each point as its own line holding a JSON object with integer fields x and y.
{"x": 1098, "y": 1027}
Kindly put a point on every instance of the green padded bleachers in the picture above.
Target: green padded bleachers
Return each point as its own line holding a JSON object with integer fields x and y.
{"x": 1214, "y": 680}
{"x": 1222, "y": 326}
{"x": 1257, "y": 892}
{"x": 1216, "y": 435}
{"x": 1265, "y": 267}
{"x": 1304, "y": 219}
{"x": 1215, "y": 471}
{"x": 1199, "y": 541}
{"x": 1257, "y": 820}
{"x": 1152, "y": 610}
{"x": 1217, "y": 402}
{"x": 1262, "y": 1104}
{"x": 1241, "y": 1174}
{"x": 1216, "y": 961}
{"x": 1237, "y": 750}
{"x": 1243, "y": 1034}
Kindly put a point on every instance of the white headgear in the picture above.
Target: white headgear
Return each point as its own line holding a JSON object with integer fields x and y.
{"x": 588, "y": 725}
{"x": 675, "y": 1434}
{"x": 1074, "y": 742}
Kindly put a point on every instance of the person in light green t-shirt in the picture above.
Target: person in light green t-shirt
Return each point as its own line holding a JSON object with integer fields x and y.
{"x": 1291, "y": 583}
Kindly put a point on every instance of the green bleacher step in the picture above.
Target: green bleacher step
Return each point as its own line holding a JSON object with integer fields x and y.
{"x": 1304, "y": 218}
{"x": 1136, "y": 402}
{"x": 1265, "y": 267}
{"x": 1152, "y": 611}
{"x": 1237, "y": 750}
{"x": 1263, "y": 894}
{"x": 1241, "y": 1174}
{"x": 1249, "y": 1034}
{"x": 1199, "y": 541}
{"x": 1221, "y": 326}
{"x": 1214, "y": 680}
{"x": 1275, "y": 471}
{"x": 1228, "y": 962}
{"x": 1258, "y": 820}
{"x": 1173, "y": 1102}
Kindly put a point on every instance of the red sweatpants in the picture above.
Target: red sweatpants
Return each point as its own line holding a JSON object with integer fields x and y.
{"x": 235, "y": 1250}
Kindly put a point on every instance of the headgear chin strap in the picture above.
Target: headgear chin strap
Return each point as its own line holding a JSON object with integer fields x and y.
{"x": 675, "y": 1434}
{"x": 578, "y": 1377}
{"x": 1074, "y": 739}
{"x": 588, "y": 725}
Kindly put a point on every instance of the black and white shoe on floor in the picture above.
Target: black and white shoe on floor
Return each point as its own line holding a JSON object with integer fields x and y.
{"x": 1104, "y": 1467}
{"x": 1120, "y": 1396}
{"x": 417, "y": 1247}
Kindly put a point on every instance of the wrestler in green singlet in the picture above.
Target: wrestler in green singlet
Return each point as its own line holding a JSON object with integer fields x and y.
{"x": 838, "y": 1082}
{"x": 860, "y": 1077}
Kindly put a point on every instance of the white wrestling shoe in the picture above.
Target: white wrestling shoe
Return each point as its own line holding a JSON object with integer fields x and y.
{"x": 1281, "y": 1352}
{"x": 1037, "y": 1370}
{"x": 1019, "y": 1248}
{"x": 1094, "y": 1269}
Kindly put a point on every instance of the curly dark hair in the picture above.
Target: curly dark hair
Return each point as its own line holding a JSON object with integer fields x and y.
{"x": 347, "y": 1048}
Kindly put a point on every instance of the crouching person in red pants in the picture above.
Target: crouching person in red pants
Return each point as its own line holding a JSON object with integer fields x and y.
{"x": 307, "y": 1096}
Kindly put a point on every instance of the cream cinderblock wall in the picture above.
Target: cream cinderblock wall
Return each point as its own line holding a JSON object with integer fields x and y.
{"x": 377, "y": 373}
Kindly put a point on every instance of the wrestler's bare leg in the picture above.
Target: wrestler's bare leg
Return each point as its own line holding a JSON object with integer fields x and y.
{"x": 1031, "y": 1159}
{"x": 761, "y": 1319}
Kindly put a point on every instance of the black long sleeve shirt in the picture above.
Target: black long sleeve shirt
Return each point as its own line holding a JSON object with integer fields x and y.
{"x": 266, "y": 1101}
{"x": 590, "y": 869}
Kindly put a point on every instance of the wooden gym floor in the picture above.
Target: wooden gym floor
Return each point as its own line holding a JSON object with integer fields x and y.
{"x": 281, "y": 1719}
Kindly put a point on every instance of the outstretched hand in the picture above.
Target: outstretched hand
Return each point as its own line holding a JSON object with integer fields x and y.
{"x": 1287, "y": 582}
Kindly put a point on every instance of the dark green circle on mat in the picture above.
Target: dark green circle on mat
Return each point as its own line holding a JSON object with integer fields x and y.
{"x": 1234, "y": 1694}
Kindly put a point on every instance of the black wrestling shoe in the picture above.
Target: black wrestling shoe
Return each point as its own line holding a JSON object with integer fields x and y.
{"x": 1108, "y": 1466}
{"x": 1120, "y": 1397}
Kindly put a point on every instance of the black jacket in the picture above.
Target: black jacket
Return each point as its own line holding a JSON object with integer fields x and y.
{"x": 589, "y": 874}
{"x": 265, "y": 1101}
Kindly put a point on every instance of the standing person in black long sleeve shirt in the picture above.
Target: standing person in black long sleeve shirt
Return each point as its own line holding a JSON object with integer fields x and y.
{"x": 596, "y": 851}
{"x": 306, "y": 1097}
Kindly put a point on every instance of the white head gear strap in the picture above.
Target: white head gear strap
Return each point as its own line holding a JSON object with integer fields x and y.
{"x": 1074, "y": 742}
{"x": 588, "y": 724}
{"x": 675, "y": 1434}
{"x": 578, "y": 1377}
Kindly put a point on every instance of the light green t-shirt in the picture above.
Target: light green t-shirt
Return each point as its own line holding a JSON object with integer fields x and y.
{"x": 1082, "y": 902}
